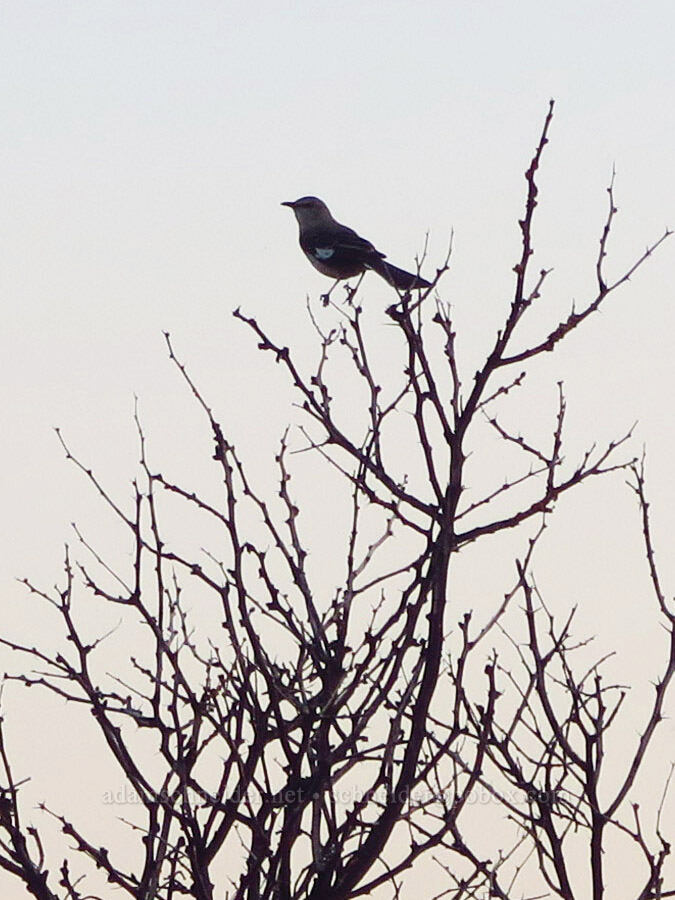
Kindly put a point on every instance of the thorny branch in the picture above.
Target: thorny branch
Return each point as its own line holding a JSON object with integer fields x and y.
{"x": 325, "y": 741}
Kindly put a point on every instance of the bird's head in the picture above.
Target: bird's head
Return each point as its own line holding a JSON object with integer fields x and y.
{"x": 309, "y": 211}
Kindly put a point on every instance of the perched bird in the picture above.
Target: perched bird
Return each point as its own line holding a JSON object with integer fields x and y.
{"x": 339, "y": 252}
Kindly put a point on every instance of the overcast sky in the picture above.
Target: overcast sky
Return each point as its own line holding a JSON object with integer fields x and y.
{"x": 146, "y": 149}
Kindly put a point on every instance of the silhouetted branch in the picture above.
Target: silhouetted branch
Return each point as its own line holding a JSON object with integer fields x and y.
{"x": 316, "y": 741}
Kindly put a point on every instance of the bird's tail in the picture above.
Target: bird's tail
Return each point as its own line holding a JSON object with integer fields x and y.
{"x": 398, "y": 278}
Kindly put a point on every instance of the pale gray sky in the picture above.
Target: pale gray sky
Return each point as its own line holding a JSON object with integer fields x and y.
{"x": 147, "y": 146}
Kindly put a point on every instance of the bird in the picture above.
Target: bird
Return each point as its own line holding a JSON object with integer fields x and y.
{"x": 339, "y": 252}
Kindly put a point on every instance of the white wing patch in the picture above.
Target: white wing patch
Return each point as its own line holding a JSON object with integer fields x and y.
{"x": 323, "y": 252}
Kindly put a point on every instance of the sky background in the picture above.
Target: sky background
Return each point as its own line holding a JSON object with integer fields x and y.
{"x": 146, "y": 149}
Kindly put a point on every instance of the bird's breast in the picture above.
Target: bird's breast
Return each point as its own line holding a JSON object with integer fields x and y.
{"x": 327, "y": 261}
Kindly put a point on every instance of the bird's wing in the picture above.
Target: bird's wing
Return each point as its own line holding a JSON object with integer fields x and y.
{"x": 339, "y": 245}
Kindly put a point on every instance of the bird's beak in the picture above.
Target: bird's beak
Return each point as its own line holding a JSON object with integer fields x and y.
{"x": 290, "y": 203}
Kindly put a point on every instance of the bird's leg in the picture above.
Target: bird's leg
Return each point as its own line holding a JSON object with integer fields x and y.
{"x": 325, "y": 298}
{"x": 351, "y": 291}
